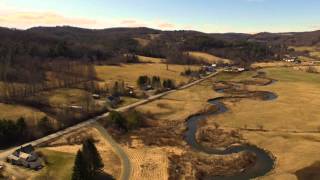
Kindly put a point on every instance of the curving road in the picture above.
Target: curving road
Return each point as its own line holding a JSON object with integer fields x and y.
{"x": 125, "y": 162}
{"x": 124, "y": 158}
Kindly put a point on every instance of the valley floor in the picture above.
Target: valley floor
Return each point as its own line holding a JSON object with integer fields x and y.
{"x": 287, "y": 127}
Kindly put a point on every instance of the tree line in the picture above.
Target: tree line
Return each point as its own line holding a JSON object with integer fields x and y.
{"x": 125, "y": 121}
{"x": 23, "y": 76}
{"x": 14, "y": 131}
{"x": 155, "y": 82}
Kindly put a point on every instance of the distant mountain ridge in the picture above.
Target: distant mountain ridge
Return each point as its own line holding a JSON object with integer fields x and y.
{"x": 290, "y": 38}
{"x": 110, "y": 44}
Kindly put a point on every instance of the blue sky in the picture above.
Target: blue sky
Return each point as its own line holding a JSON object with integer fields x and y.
{"x": 248, "y": 16}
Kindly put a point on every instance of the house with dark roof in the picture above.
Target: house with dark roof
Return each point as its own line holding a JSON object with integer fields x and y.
{"x": 25, "y": 156}
{"x": 113, "y": 100}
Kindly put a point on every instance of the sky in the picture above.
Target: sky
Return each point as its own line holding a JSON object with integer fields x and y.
{"x": 212, "y": 16}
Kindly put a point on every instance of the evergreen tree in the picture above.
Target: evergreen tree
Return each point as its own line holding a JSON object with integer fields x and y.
{"x": 156, "y": 83}
{"x": 45, "y": 125}
{"x": 92, "y": 156}
{"x": 169, "y": 83}
{"x": 80, "y": 169}
{"x": 143, "y": 81}
{"x": 116, "y": 118}
{"x": 116, "y": 89}
{"x": 22, "y": 127}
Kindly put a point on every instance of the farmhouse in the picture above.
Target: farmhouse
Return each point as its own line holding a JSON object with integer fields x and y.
{"x": 290, "y": 59}
{"x": 240, "y": 69}
{"x": 208, "y": 69}
{"x": 148, "y": 88}
{"x": 234, "y": 69}
{"x": 95, "y": 96}
{"x": 26, "y": 157}
{"x": 113, "y": 100}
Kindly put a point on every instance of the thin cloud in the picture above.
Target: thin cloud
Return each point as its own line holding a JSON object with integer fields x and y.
{"x": 24, "y": 20}
{"x": 166, "y": 26}
{"x": 28, "y": 19}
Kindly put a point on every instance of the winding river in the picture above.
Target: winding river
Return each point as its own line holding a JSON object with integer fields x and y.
{"x": 264, "y": 162}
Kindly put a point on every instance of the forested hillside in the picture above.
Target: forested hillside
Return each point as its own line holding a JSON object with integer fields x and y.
{"x": 109, "y": 45}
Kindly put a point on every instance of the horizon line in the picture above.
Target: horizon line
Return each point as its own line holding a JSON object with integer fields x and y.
{"x": 163, "y": 30}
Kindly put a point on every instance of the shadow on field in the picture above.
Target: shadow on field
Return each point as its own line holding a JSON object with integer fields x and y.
{"x": 103, "y": 176}
{"x": 309, "y": 173}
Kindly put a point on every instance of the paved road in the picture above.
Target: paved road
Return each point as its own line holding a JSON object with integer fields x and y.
{"x": 125, "y": 162}
{"x": 123, "y": 157}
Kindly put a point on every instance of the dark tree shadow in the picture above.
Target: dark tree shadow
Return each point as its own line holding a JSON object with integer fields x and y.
{"x": 309, "y": 173}
{"x": 103, "y": 176}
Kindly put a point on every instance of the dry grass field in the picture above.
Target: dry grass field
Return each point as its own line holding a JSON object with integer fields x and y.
{"x": 66, "y": 97}
{"x": 270, "y": 64}
{"x": 130, "y": 72}
{"x": 146, "y": 59}
{"x": 288, "y": 127}
{"x": 208, "y": 57}
{"x": 148, "y": 163}
{"x": 62, "y": 151}
{"x": 14, "y": 112}
{"x": 313, "y": 50}
{"x": 310, "y": 69}
{"x": 304, "y": 48}
{"x": 291, "y": 122}
{"x": 305, "y": 61}
{"x": 143, "y": 42}
{"x": 151, "y": 162}
{"x": 179, "y": 105}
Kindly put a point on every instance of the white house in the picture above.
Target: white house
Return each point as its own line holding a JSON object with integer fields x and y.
{"x": 290, "y": 59}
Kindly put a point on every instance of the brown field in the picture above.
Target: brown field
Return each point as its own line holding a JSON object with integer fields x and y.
{"x": 270, "y": 64}
{"x": 181, "y": 104}
{"x": 148, "y": 163}
{"x": 313, "y": 50}
{"x": 66, "y": 97}
{"x": 291, "y": 130}
{"x": 310, "y": 69}
{"x": 130, "y": 72}
{"x": 288, "y": 127}
{"x": 14, "y": 112}
{"x": 208, "y": 57}
{"x": 291, "y": 123}
{"x": 143, "y": 42}
{"x": 304, "y": 48}
{"x": 315, "y": 54}
{"x": 306, "y": 61}
{"x": 151, "y": 162}
{"x": 146, "y": 59}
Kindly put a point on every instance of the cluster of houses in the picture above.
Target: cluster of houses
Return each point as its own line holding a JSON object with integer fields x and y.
{"x": 292, "y": 59}
{"x": 234, "y": 69}
{"x": 25, "y": 156}
{"x": 227, "y": 68}
{"x": 112, "y": 99}
{"x": 208, "y": 69}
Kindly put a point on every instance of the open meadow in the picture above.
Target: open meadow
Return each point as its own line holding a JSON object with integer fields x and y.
{"x": 208, "y": 57}
{"x": 129, "y": 73}
{"x": 288, "y": 127}
{"x": 290, "y": 122}
{"x": 14, "y": 112}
